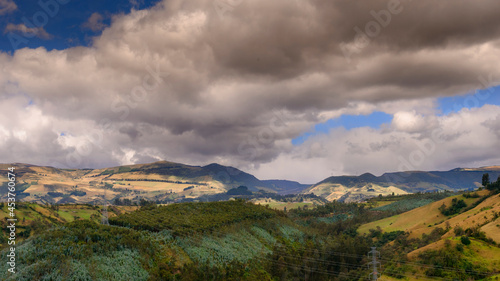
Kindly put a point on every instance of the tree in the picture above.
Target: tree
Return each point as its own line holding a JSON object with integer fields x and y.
{"x": 465, "y": 240}
{"x": 486, "y": 179}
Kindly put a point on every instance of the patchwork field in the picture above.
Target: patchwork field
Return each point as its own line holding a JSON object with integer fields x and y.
{"x": 50, "y": 185}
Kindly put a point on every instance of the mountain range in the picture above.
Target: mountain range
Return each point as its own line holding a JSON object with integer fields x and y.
{"x": 172, "y": 181}
{"x": 358, "y": 188}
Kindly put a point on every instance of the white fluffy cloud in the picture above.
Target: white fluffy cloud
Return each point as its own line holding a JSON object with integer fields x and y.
{"x": 468, "y": 138}
{"x": 180, "y": 83}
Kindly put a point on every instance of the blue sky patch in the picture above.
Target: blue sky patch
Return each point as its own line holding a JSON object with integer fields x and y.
{"x": 374, "y": 120}
{"x": 447, "y": 105}
{"x": 62, "y": 22}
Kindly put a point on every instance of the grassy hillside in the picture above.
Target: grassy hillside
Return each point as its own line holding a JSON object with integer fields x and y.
{"x": 427, "y": 218}
{"x": 187, "y": 240}
{"x": 458, "y": 245}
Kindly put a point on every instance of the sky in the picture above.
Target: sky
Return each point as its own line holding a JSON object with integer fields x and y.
{"x": 299, "y": 90}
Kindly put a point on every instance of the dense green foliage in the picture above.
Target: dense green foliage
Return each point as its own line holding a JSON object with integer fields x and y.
{"x": 486, "y": 179}
{"x": 240, "y": 190}
{"x": 450, "y": 263}
{"x": 189, "y": 218}
{"x": 457, "y": 205}
{"x": 493, "y": 186}
{"x": 82, "y": 250}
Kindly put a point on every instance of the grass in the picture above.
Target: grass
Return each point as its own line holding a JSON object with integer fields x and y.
{"x": 417, "y": 221}
{"x": 478, "y": 252}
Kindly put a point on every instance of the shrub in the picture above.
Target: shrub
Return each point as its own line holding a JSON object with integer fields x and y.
{"x": 465, "y": 240}
{"x": 455, "y": 208}
{"x": 458, "y": 231}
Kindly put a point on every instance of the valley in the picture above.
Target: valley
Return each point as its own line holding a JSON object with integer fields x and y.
{"x": 433, "y": 235}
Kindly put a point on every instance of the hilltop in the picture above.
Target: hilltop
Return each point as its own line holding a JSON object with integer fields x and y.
{"x": 174, "y": 182}
{"x": 159, "y": 181}
{"x": 359, "y": 188}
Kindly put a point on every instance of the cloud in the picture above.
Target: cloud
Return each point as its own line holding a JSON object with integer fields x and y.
{"x": 136, "y": 3}
{"x": 449, "y": 142}
{"x": 409, "y": 121}
{"x": 95, "y": 22}
{"x": 178, "y": 82}
{"x": 28, "y": 31}
{"x": 7, "y": 6}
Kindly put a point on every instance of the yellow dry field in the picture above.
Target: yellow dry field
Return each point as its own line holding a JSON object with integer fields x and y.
{"x": 492, "y": 230}
{"x": 489, "y": 168}
{"x": 433, "y": 246}
{"x": 477, "y": 216}
{"x": 47, "y": 179}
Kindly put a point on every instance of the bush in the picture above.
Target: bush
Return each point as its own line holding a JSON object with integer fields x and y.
{"x": 241, "y": 190}
{"x": 465, "y": 240}
{"x": 458, "y": 231}
{"x": 455, "y": 208}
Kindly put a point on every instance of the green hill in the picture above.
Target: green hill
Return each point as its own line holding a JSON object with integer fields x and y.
{"x": 459, "y": 245}
{"x": 158, "y": 244}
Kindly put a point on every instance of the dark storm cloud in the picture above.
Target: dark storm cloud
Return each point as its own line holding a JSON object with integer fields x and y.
{"x": 184, "y": 82}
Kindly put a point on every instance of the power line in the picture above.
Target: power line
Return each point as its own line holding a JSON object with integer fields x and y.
{"x": 104, "y": 219}
{"x": 374, "y": 263}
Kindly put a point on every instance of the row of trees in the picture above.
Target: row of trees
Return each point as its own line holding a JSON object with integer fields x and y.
{"x": 493, "y": 186}
{"x": 488, "y": 184}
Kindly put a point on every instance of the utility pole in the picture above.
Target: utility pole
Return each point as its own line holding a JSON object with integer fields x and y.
{"x": 104, "y": 219}
{"x": 374, "y": 264}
